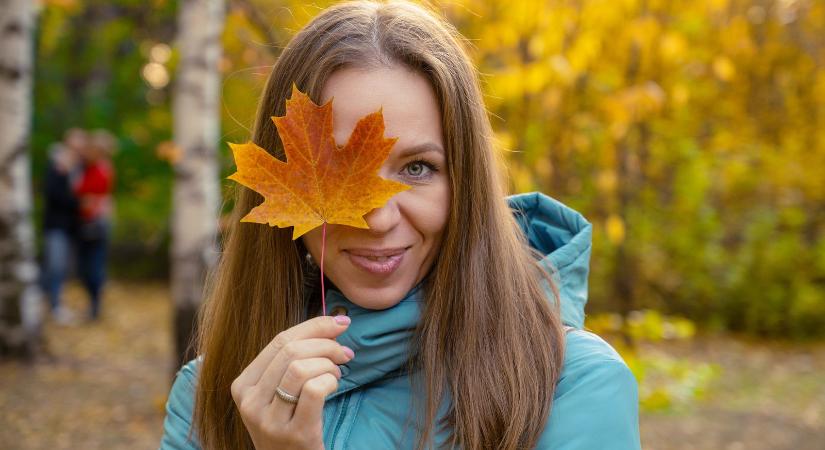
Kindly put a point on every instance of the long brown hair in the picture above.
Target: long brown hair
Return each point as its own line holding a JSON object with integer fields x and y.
{"x": 488, "y": 336}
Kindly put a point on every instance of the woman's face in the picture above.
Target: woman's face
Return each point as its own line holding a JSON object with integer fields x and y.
{"x": 408, "y": 229}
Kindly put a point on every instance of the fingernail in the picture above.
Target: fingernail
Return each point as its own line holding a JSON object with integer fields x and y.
{"x": 342, "y": 320}
{"x": 348, "y": 351}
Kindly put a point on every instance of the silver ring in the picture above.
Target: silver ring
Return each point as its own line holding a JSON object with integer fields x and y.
{"x": 285, "y": 396}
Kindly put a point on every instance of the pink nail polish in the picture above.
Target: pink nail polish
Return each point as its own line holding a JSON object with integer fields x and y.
{"x": 348, "y": 351}
{"x": 342, "y": 320}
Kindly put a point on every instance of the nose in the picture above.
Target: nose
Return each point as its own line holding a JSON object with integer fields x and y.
{"x": 384, "y": 219}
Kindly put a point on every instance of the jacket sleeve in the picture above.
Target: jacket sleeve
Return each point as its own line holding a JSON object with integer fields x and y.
{"x": 57, "y": 189}
{"x": 179, "y": 409}
{"x": 596, "y": 404}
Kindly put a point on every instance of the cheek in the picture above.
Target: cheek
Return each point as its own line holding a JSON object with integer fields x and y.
{"x": 312, "y": 242}
{"x": 428, "y": 211}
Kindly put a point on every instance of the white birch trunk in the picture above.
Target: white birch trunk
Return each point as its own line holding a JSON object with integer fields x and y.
{"x": 19, "y": 294}
{"x": 196, "y": 195}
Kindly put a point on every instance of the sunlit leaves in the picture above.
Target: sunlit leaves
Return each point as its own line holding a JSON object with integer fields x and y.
{"x": 667, "y": 124}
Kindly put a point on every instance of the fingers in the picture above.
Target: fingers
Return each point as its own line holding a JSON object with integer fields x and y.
{"x": 317, "y": 327}
{"x": 310, "y": 405}
{"x": 297, "y": 374}
{"x": 302, "y": 370}
{"x": 291, "y": 356}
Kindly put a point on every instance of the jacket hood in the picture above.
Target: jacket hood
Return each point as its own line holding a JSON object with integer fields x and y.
{"x": 564, "y": 237}
{"x": 380, "y": 338}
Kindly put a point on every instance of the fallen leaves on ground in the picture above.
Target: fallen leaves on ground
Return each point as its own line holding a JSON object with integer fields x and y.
{"x": 104, "y": 384}
{"x": 768, "y": 396}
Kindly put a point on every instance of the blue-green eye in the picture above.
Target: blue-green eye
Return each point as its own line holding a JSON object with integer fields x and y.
{"x": 419, "y": 169}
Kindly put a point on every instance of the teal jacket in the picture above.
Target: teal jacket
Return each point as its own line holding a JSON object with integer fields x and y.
{"x": 596, "y": 399}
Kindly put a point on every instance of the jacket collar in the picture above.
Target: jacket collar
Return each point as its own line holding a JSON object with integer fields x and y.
{"x": 381, "y": 338}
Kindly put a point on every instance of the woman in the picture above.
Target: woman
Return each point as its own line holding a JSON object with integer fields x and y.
{"x": 446, "y": 329}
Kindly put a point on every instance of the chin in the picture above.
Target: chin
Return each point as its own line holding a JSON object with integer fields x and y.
{"x": 375, "y": 298}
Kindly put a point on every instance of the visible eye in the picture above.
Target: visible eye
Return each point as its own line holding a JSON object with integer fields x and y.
{"x": 420, "y": 169}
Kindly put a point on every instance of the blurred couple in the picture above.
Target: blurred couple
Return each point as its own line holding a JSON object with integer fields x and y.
{"x": 77, "y": 218}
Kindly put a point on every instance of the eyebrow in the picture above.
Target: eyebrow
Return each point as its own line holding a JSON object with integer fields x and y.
{"x": 421, "y": 148}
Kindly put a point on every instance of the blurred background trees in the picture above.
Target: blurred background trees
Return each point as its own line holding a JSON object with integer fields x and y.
{"x": 691, "y": 133}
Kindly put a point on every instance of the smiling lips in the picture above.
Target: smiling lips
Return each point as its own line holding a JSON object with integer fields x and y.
{"x": 377, "y": 261}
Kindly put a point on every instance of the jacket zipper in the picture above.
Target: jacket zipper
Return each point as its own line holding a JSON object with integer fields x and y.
{"x": 344, "y": 404}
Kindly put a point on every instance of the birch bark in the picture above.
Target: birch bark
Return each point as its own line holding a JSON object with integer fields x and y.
{"x": 196, "y": 189}
{"x": 19, "y": 293}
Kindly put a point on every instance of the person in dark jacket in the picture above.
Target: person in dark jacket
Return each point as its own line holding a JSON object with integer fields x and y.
{"x": 60, "y": 217}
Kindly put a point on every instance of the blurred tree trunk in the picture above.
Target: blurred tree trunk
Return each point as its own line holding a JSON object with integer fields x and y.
{"x": 628, "y": 165}
{"x": 197, "y": 192}
{"x": 19, "y": 292}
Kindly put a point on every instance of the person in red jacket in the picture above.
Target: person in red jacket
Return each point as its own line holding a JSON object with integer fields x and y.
{"x": 94, "y": 192}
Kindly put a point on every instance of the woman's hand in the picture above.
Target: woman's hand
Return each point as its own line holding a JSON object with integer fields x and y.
{"x": 303, "y": 361}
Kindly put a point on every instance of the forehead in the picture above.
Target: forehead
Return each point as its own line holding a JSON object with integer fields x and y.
{"x": 407, "y": 100}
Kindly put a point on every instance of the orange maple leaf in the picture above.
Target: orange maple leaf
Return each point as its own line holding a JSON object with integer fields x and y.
{"x": 320, "y": 181}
